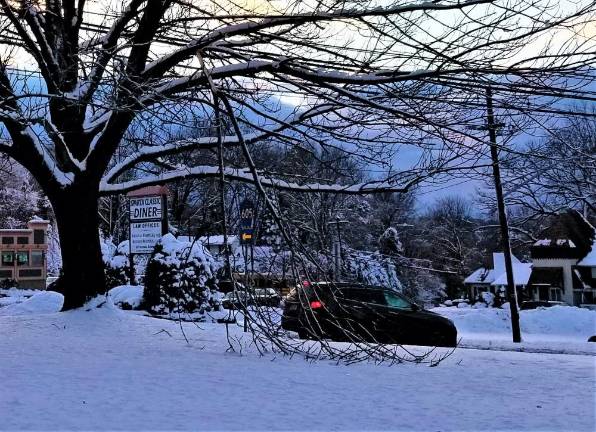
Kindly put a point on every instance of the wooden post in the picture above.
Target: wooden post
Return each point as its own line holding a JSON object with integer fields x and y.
{"x": 505, "y": 242}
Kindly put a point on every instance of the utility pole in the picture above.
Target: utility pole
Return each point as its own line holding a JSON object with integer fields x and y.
{"x": 337, "y": 248}
{"x": 505, "y": 242}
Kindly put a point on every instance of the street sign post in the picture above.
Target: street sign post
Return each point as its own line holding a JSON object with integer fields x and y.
{"x": 247, "y": 233}
{"x": 146, "y": 208}
{"x": 144, "y": 236}
{"x": 148, "y": 220}
{"x": 247, "y": 222}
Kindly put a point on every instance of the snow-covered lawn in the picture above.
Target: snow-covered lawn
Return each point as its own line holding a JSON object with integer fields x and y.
{"x": 112, "y": 369}
{"x": 555, "y": 329}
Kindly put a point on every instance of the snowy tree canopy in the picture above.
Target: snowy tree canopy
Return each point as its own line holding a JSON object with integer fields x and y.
{"x": 104, "y": 66}
{"x": 364, "y": 78}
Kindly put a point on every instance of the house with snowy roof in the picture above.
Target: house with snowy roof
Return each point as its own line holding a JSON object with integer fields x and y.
{"x": 215, "y": 244}
{"x": 565, "y": 262}
{"x": 494, "y": 279}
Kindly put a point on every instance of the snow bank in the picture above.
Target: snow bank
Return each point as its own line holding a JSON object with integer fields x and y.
{"x": 126, "y": 294}
{"x": 43, "y": 302}
{"x": 15, "y": 295}
{"x": 562, "y": 321}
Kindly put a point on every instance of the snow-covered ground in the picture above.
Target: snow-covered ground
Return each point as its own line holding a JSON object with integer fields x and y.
{"x": 110, "y": 369}
{"x": 556, "y": 329}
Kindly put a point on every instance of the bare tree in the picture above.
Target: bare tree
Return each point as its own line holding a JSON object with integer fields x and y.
{"x": 556, "y": 173}
{"x": 363, "y": 76}
{"x": 446, "y": 236}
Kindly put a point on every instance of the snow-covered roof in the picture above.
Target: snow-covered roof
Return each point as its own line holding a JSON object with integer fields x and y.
{"x": 481, "y": 275}
{"x": 37, "y": 220}
{"x": 590, "y": 259}
{"x": 497, "y": 275}
{"x": 521, "y": 274}
{"x": 214, "y": 240}
{"x": 555, "y": 242}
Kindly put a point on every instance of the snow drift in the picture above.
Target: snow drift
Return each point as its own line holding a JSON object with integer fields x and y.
{"x": 562, "y": 321}
{"x": 42, "y": 302}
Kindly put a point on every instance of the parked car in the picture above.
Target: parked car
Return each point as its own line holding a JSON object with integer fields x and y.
{"x": 266, "y": 297}
{"x": 344, "y": 312}
{"x": 237, "y": 300}
{"x": 535, "y": 304}
{"x": 255, "y": 297}
{"x": 50, "y": 280}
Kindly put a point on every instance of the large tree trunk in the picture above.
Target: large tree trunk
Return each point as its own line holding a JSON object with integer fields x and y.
{"x": 76, "y": 211}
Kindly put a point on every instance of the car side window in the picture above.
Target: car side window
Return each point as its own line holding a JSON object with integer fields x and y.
{"x": 396, "y": 301}
{"x": 363, "y": 296}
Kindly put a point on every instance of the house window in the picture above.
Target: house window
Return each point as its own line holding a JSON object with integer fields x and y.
{"x": 7, "y": 240}
{"x": 30, "y": 273}
{"x": 36, "y": 258}
{"x": 39, "y": 236}
{"x": 22, "y": 258}
{"x": 589, "y": 297}
{"x": 555, "y": 294}
{"x": 7, "y": 258}
{"x": 22, "y": 240}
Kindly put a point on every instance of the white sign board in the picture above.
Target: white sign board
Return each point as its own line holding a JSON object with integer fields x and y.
{"x": 145, "y": 208}
{"x": 144, "y": 236}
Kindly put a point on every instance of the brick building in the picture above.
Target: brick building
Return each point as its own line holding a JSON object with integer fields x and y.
{"x": 23, "y": 255}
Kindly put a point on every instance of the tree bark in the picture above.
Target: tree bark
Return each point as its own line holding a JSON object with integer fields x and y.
{"x": 76, "y": 212}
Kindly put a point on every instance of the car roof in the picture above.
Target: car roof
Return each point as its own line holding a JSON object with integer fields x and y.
{"x": 350, "y": 285}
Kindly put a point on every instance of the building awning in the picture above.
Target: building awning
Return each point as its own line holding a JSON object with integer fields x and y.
{"x": 546, "y": 277}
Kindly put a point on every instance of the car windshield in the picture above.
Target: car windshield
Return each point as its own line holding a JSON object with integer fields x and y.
{"x": 397, "y": 301}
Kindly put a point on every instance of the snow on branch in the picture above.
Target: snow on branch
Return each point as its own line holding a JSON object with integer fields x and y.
{"x": 245, "y": 175}
{"x": 182, "y": 84}
{"x": 150, "y": 153}
{"x": 160, "y": 66}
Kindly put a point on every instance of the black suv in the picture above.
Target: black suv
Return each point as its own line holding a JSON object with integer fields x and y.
{"x": 352, "y": 312}
{"x": 535, "y": 304}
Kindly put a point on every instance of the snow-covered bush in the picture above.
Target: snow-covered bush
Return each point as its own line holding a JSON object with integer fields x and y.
{"x": 372, "y": 269}
{"x": 8, "y": 283}
{"x": 179, "y": 277}
{"x": 115, "y": 264}
{"x": 389, "y": 243}
{"x": 488, "y": 298}
{"x": 126, "y": 296}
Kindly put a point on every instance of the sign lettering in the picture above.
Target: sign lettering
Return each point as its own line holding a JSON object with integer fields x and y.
{"x": 144, "y": 236}
{"x": 148, "y": 208}
{"x": 247, "y": 221}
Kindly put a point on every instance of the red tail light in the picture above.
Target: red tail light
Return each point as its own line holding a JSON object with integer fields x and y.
{"x": 316, "y": 304}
